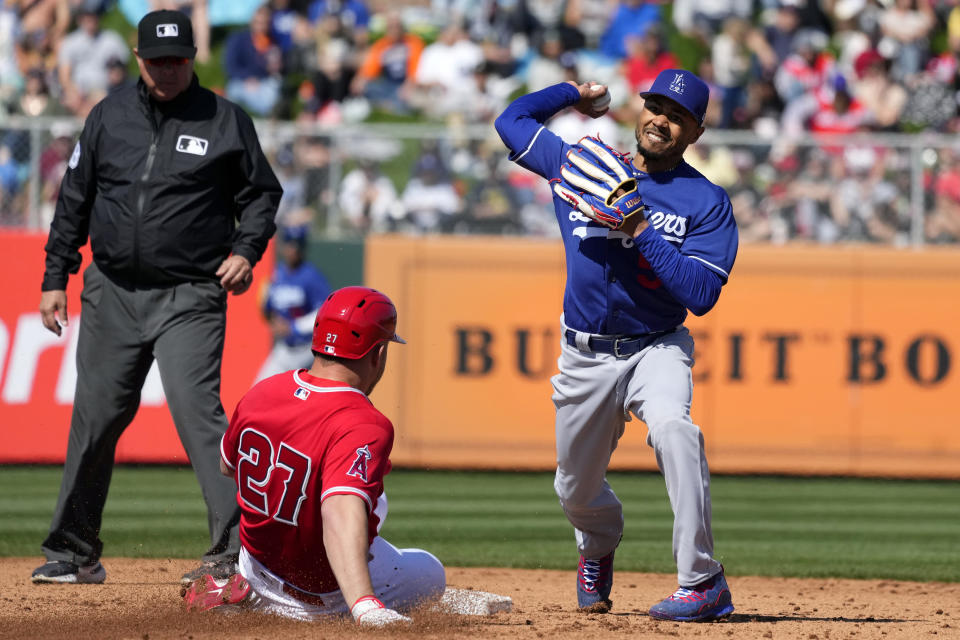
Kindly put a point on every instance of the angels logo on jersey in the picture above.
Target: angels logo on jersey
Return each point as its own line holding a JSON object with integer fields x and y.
{"x": 359, "y": 467}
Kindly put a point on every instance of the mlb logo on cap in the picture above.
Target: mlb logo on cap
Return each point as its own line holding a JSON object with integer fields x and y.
{"x": 165, "y": 33}
{"x": 684, "y": 88}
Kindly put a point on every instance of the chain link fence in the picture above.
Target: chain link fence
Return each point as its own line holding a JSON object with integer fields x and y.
{"x": 33, "y": 157}
{"x": 893, "y": 189}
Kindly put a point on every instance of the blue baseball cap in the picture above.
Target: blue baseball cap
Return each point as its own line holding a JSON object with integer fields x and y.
{"x": 684, "y": 88}
{"x": 295, "y": 235}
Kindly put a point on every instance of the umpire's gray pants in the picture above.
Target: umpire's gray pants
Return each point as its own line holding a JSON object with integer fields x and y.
{"x": 121, "y": 332}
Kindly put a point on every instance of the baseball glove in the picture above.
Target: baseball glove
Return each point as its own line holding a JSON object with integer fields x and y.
{"x": 599, "y": 182}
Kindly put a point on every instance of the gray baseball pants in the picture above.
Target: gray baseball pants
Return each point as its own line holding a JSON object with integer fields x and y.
{"x": 594, "y": 394}
{"x": 121, "y": 332}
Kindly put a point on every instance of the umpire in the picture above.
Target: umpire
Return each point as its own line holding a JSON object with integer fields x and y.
{"x": 169, "y": 182}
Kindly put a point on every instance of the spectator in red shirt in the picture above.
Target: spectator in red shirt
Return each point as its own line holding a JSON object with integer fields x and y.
{"x": 807, "y": 68}
{"x": 647, "y": 57}
{"x": 943, "y": 223}
{"x": 838, "y": 112}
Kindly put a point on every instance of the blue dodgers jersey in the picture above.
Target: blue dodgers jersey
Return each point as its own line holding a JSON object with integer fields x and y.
{"x": 611, "y": 288}
{"x": 295, "y": 293}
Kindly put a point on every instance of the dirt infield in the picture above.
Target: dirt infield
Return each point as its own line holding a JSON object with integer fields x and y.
{"x": 141, "y": 601}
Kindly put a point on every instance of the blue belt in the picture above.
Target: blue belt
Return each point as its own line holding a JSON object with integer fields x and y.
{"x": 619, "y": 346}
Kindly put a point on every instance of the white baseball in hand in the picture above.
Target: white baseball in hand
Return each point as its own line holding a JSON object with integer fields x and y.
{"x": 601, "y": 102}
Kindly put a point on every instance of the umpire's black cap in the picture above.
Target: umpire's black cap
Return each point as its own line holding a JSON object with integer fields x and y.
{"x": 165, "y": 33}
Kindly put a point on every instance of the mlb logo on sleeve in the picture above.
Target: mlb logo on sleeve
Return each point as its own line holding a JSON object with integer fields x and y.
{"x": 192, "y": 145}
{"x": 74, "y": 157}
{"x": 167, "y": 31}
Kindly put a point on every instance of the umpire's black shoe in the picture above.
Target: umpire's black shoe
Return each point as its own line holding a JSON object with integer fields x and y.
{"x": 61, "y": 572}
{"x": 219, "y": 570}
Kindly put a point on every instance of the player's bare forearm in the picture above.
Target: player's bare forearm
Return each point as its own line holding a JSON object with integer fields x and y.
{"x": 345, "y": 541}
{"x": 634, "y": 225}
{"x": 279, "y": 327}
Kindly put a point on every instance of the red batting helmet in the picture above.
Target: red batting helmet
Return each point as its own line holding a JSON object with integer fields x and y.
{"x": 353, "y": 319}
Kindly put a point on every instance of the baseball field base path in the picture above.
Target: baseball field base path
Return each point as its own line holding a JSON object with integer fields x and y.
{"x": 140, "y": 601}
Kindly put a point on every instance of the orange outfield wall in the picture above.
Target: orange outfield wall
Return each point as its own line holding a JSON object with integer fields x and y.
{"x": 38, "y": 373}
{"x": 815, "y": 360}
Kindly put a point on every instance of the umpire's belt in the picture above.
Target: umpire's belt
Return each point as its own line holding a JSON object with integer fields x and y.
{"x": 619, "y": 346}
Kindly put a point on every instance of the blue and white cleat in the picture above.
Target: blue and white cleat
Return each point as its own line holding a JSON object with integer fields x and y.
{"x": 709, "y": 600}
{"x": 594, "y": 582}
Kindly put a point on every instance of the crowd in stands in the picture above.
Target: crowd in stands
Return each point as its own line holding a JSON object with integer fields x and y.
{"x": 779, "y": 69}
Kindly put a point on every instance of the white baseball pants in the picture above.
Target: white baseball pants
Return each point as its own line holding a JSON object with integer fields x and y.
{"x": 402, "y": 579}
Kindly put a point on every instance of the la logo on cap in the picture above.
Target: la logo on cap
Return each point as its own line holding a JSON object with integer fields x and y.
{"x": 677, "y": 85}
{"x": 168, "y": 30}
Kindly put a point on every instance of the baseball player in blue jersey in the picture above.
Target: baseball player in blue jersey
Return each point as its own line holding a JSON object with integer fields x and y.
{"x": 296, "y": 291}
{"x": 646, "y": 238}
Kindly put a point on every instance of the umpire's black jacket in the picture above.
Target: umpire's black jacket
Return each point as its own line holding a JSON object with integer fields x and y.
{"x": 160, "y": 189}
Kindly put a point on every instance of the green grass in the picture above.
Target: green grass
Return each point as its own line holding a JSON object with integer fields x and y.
{"x": 807, "y": 527}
